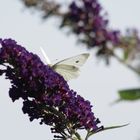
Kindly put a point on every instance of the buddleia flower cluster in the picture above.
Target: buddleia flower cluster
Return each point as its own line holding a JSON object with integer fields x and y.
{"x": 88, "y": 20}
{"x": 46, "y": 95}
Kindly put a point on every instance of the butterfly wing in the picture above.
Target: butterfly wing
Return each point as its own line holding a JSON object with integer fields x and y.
{"x": 67, "y": 71}
{"x": 69, "y": 68}
{"x": 76, "y": 61}
{"x": 45, "y": 56}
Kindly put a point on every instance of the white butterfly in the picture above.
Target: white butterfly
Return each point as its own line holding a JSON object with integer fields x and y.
{"x": 68, "y": 68}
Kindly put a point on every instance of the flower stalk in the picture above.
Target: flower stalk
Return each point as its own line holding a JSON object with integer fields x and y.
{"x": 126, "y": 64}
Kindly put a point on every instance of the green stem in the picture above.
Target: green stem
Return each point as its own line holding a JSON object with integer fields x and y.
{"x": 73, "y": 132}
{"x": 87, "y": 136}
{"x": 78, "y": 136}
{"x": 127, "y": 65}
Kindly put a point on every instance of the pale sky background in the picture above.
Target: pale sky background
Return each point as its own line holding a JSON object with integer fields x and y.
{"x": 97, "y": 83}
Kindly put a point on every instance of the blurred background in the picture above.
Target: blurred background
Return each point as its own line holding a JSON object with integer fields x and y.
{"x": 97, "y": 83}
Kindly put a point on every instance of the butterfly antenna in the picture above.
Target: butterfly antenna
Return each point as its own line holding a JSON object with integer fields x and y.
{"x": 46, "y": 57}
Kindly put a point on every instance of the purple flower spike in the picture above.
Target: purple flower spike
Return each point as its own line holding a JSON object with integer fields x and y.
{"x": 86, "y": 18}
{"x": 45, "y": 93}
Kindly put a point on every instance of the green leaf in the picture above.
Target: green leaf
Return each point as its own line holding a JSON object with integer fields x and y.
{"x": 129, "y": 94}
{"x": 106, "y": 128}
{"x": 113, "y": 127}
